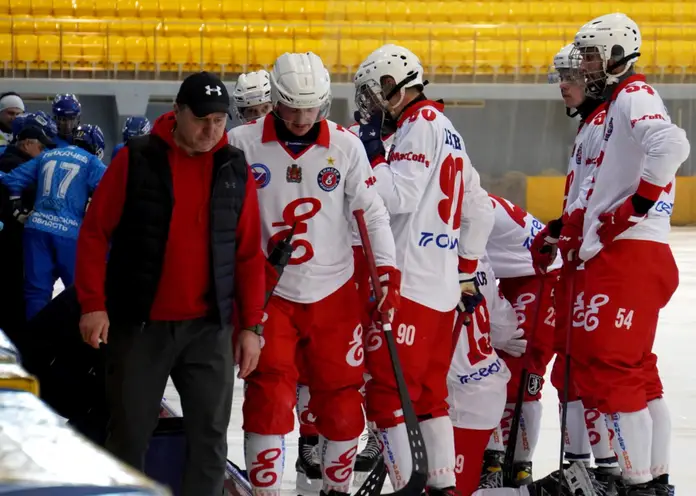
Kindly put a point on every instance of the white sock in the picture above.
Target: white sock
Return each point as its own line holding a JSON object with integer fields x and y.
{"x": 576, "y": 440}
{"x": 337, "y": 459}
{"x": 598, "y": 433}
{"x": 529, "y": 431}
{"x": 661, "y": 437}
{"x": 632, "y": 444}
{"x": 397, "y": 454}
{"x": 304, "y": 416}
{"x": 495, "y": 442}
{"x": 438, "y": 435}
{"x": 265, "y": 460}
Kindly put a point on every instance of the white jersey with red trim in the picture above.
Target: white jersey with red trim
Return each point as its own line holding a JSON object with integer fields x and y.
{"x": 315, "y": 192}
{"x": 478, "y": 377}
{"x": 640, "y": 143}
{"x": 512, "y": 235}
{"x": 583, "y": 160}
{"x": 438, "y": 209}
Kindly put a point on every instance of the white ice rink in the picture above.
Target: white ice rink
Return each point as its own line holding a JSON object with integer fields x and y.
{"x": 675, "y": 346}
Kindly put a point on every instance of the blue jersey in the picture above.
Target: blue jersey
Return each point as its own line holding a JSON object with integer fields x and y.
{"x": 65, "y": 179}
{"x": 61, "y": 143}
{"x": 117, "y": 149}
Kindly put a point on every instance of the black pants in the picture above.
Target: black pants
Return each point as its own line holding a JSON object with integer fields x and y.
{"x": 198, "y": 356}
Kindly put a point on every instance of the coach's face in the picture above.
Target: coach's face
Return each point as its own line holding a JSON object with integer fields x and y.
{"x": 200, "y": 134}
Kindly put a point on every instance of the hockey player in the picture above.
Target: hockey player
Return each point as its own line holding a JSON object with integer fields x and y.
{"x": 315, "y": 173}
{"x": 138, "y": 125}
{"x": 64, "y": 179}
{"x": 438, "y": 211}
{"x": 630, "y": 273}
{"x": 478, "y": 377}
{"x": 66, "y": 112}
{"x": 11, "y": 105}
{"x": 508, "y": 252}
{"x": 585, "y": 427}
{"x": 252, "y": 96}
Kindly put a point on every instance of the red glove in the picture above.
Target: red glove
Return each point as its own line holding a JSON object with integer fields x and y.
{"x": 618, "y": 221}
{"x": 390, "y": 280}
{"x": 544, "y": 247}
{"x": 571, "y": 237}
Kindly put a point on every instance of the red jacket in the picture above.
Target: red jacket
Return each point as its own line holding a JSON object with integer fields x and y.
{"x": 185, "y": 279}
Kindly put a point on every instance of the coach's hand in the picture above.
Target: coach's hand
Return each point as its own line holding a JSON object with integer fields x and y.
{"x": 247, "y": 352}
{"x": 94, "y": 327}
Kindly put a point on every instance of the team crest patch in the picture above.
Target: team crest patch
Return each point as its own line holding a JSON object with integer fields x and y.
{"x": 610, "y": 129}
{"x": 328, "y": 178}
{"x": 262, "y": 175}
{"x": 294, "y": 174}
{"x": 578, "y": 156}
{"x": 534, "y": 382}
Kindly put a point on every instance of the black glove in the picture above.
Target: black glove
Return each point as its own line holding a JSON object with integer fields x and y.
{"x": 19, "y": 211}
{"x": 471, "y": 296}
{"x": 371, "y": 136}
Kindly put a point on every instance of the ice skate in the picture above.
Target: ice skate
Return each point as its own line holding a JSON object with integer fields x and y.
{"x": 492, "y": 470}
{"x": 309, "y": 480}
{"x": 574, "y": 481}
{"x": 523, "y": 473}
{"x": 446, "y": 491}
{"x": 367, "y": 459}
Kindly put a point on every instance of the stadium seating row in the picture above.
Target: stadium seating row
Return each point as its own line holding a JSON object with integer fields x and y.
{"x": 320, "y": 30}
{"x": 176, "y": 53}
{"x": 358, "y": 10}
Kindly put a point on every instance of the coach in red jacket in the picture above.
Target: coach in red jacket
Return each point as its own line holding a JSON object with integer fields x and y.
{"x": 178, "y": 215}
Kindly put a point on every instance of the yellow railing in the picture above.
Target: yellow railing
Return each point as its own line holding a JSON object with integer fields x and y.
{"x": 64, "y": 46}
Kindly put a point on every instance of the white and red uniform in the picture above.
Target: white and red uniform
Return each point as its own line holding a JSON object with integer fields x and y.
{"x": 441, "y": 218}
{"x": 630, "y": 279}
{"x": 315, "y": 301}
{"x": 477, "y": 379}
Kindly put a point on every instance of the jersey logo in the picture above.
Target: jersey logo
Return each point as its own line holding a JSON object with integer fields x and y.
{"x": 294, "y": 174}
{"x": 610, "y": 129}
{"x": 328, "y": 179}
{"x": 534, "y": 383}
{"x": 578, "y": 156}
{"x": 262, "y": 175}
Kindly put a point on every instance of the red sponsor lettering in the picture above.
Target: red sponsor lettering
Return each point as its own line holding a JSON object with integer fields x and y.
{"x": 395, "y": 156}
{"x": 370, "y": 181}
{"x": 294, "y": 216}
{"x": 647, "y": 117}
{"x": 262, "y": 473}
{"x": 340, "y": 470}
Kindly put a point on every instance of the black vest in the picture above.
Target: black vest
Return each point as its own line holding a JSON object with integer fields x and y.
{"x": 138, "y": 243}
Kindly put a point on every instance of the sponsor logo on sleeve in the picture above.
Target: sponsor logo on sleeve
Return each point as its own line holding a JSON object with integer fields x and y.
{"x": 395, "y": 156}
{"x": 647, "y": 117}
{"x": 262, "y": 175}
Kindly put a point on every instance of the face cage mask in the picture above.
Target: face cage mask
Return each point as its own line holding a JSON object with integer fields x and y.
{"x": 65, "y": 123}
{"x": 596, "y": 80}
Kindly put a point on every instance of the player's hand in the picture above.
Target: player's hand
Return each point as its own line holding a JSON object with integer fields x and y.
{"x": 94, "y": 328}
{"x": 617, "y": 222}
{"x": 514, "y": 346}
{"x": 570, "y": 240}
{"x": 390, "y": 282}
{"x": 247, "y": 352}
{"x": 545, "y": 246}
{"x": 19, "y": 211}
{"x": 371, "y": 136}
{"x": 471, "y": 296}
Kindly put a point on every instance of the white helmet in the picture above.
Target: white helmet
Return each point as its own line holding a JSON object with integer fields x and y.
{"x": 253, "y": 88}
{"x": 616, "y": 39}
{"x": 390, "y": 60}
{"x": 566, "y": 65}
{"x": 300, "y": 81}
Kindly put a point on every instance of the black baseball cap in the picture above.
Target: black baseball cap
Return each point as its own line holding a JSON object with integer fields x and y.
{"x": 204, "y": 93}
{"x": 32, "y": 132}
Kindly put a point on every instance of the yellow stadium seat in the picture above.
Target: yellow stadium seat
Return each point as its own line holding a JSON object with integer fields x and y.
{"x": 397, "y": 12}
{"x": 62, "y": 8}
{"x": 537, "y": 55}
{"x": 539, "y": 11}
{"x": 365, "y": 48}
{"x": 71, "y": 45}
{"x": 105, "y": 8}
{"x": 252, "y": 9}
{"x": 685, "y": 12}
{"x": 84, "y": 7}
{"x": 328, "y": 51}
{"x": 26, "y": 49}
{"x": 115, "y": 52}
{"x": 348, "y": 55}
{"x": 127, "y": 26}
{"x": 90, "y": 25}
{"x": 4, "y": 10}
{"x": 136, "y": 52}
{"x": 489, "y": 56}
{"x": 196, "y": 48}
{"x": 236, "y": 29}
{"x": 41, "y": 7}
{"x": 262, "y": 54}
{"x": 369, "y": 31}
{"x": 685, "y": 56}
{"x": 178, "y": 27}
{"x": 23, "y": 25}
{"x": 169, "y": 9}
{"x": 6, "y": 25}
{"x": 49, "y": 50}
{"x": 376, "y": 11}
{"x": 459, "y": 56}
{"x": 502, "y": 12}
{"x": 231, "y": 10}
{"x": 334, "y": 11}
{"x": 157, "y": 52}
{"x": 20, "y": 7}
{"x": 319, "y": 10}
{"x": 303, "y": 45}
{"x": 294, "y": 9}
{"x": 190, "y": 9}
{"x": 127, "y": 8}
{"x": 283, "y": 45}
{"x": 94, "y": 50}
{"x": 356, "y": 10}
{"x": 147, "y": 9}
{"x": 211, "y": 9}
{"x": 240, "y": 54}
{"x": 221, "y": 53}
{"x": 5, "y": 49}
{"x": 275, "y": 10}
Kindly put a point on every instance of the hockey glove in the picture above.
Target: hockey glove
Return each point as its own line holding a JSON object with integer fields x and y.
{"x": 571, "y": 237}
{"x": 468, "y": 286}
{"x": 19, "y": 211}
{"x": 629, "y": 213}
{"x": 371, "y": 136}
{"x": 544, "y": 247}
{"x": 390, "y": 280}
{"x": 514, "y": 346}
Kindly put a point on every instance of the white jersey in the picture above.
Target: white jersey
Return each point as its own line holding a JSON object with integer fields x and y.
{"x": 315, "y": 191}
{"x": 640, "y": 143}
{"x": 512, "y": 235}
{"x": 583, "y": 160}
{"x": 438, "y": 209}
{"x": 478, "y": 377}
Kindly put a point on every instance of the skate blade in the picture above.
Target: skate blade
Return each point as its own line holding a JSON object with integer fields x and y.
{"x": 306, "y": 486}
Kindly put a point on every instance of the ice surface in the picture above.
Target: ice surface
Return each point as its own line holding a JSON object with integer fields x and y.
{"x": 675, "y": 346}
